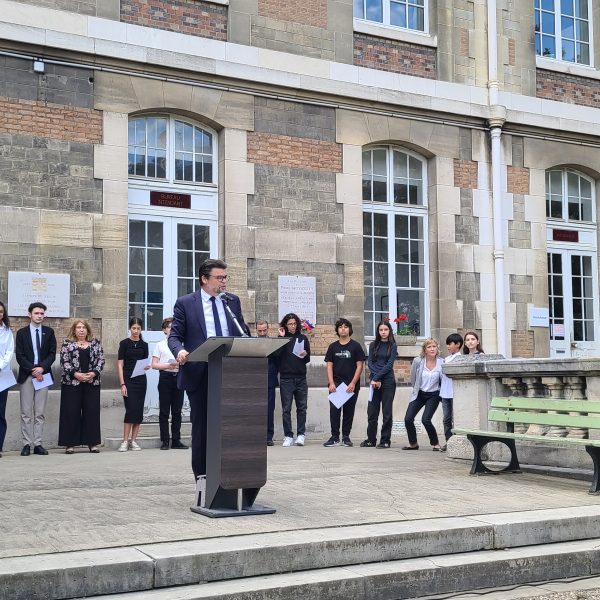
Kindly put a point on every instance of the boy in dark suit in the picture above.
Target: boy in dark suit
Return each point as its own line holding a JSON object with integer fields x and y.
{"x": 35, "y": 350}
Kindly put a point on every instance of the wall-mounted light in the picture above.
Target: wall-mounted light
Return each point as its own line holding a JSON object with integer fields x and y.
{"x": 39, "y": 66}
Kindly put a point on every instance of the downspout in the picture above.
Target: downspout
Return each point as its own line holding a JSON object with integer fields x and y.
{"x": 496, "y": 121}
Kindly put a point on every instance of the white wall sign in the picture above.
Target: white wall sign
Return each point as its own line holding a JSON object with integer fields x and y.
{"x": 539, "y": 317}
{"x": 53, "y": 289}
{"x": 298, "y": 295}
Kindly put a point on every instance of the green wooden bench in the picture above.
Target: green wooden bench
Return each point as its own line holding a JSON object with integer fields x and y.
{"x": 538, "y": 411}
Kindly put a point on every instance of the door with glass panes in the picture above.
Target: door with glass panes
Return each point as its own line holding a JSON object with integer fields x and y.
{"x": 164, "y": 255}
{"x": 573, "y": 307}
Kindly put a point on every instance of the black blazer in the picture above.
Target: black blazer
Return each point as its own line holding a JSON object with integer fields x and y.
{"x": 24, "y": 352}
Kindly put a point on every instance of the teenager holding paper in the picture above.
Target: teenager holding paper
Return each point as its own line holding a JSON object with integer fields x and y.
{"x": 345, "y": 360}
{"x": 293, "y": 358}
{"x": 133, "y": 389}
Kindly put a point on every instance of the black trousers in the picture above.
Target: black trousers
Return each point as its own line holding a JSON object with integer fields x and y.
{"x": 383, "y": 399}
{"x": 3, "y": 397}
{"x": 429, "y": 400}
{"x": 335, "y": 416}
{"x": 170, "y": 401}
{"x": 198, "y": 417}
{"x": 79, "y": 421}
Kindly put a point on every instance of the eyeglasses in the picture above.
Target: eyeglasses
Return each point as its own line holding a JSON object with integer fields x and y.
{"x": 220, "y": 278}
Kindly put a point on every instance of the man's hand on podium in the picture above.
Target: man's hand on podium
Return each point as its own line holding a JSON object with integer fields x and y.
{"x": 182, "y": 357}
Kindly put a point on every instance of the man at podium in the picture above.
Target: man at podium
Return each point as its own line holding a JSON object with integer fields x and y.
{"x": 196, "y": 317}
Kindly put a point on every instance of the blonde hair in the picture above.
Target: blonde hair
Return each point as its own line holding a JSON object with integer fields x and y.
{"x": 71, "y": 335}
{"x": 426, "y": 343}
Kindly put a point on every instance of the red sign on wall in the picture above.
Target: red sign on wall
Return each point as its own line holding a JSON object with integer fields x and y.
{"x": 170, "y": 199}
{"x": 565, "y": 235}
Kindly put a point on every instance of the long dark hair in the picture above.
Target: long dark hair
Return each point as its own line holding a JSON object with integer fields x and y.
{"x": 378, "y": 340}
{"x": 136, "y": 321}
{"x": 479, "y": 347}
{"x": 5, "y": 318}
{"x": 294, "y": 317}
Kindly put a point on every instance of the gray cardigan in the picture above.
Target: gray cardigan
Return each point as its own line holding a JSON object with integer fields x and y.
{"x": 416, "y": 370}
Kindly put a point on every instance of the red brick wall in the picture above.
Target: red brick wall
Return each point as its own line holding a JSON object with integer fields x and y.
{"x": 517, "y": 180}
{"x": 307, "y": 12}
{"x": 203, "y": 19}
{"x": 284, "y": 150}
{"x": 54, "y": 121}
{"x": 522, "y": 344}
{"x": 567, "y": 88}
{"x": 465, "y": 174}
{"x": 391, "y": 55}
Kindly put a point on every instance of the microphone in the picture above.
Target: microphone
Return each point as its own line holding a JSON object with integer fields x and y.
{"x": 225, "y": 297}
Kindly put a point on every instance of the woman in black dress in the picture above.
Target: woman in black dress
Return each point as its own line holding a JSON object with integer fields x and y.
{"x": 82, "y": 360}
{"x": 131, "y": 350}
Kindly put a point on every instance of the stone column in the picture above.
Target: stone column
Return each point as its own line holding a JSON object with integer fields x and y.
{"x": 517, "y": 388}
{"x": 575, "y": 390}
{"x": 534, "y": 389}
{"x": 555, "y": 388}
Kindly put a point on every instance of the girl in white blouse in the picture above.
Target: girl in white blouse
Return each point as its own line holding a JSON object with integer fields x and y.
{"x": 426, "y": 378}
{"x": 7, "y": 347}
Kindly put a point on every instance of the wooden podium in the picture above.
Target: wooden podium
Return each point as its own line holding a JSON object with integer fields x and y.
{"x": 236, "y": 449}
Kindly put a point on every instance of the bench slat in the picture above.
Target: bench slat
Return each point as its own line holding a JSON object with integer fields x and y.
{"x": 526, "y": 438}
{"x": 583, "y": 406}
{"x": 513, "y": 416}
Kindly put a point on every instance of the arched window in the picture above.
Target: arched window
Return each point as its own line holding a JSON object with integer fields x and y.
{"x": 394, "y": 188}
{"x": 170, "y": 149}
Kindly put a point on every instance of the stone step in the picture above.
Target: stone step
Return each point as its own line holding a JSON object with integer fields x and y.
{"x": 357, "y": 558}
{"x": 402, "y": 579}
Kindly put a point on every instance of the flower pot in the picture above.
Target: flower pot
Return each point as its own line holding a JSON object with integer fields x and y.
{"x": 406, "y": 340}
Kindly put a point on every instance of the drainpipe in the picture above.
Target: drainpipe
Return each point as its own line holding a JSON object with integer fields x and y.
{"x": 496, "y": 121}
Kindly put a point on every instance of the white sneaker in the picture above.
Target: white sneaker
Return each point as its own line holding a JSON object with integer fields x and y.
{"x": 134, "y": 446}
{"x": 124, "y": 446}
{"x": 287, "y": 442}
{"x": 300, "y": 440}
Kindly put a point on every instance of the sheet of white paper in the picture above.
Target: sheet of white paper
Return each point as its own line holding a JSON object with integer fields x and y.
{"x": 171, "y": 361}
{"x": 45, "y": 382}
{"x": 7, "y": 379}
{"x": 298, "y": 348}
{"x": 340, "y": 396}
{"x": 371, "y": 390}
{"x": 140, "y": 367}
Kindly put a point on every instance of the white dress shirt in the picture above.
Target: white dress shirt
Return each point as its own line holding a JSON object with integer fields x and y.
{"x": 7, "y": 346}
{"x": 32, "y": 328}
{"x": 447, "y": 389}
{"x": 208, "y": 315}
{"x": 430, "y": 380}
{"x": 164, "y": 355}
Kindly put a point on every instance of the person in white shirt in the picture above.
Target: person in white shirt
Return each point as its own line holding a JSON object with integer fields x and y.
{"x": 170, "y": 398}
{"x": 425, "y": 377}
{"x": 454, "y": 343}
{"x": 7, "y": 348}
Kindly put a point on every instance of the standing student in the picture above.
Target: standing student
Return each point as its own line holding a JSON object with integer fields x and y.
{"x": 426, "y": 378}
{"x": 472, "y": 344}
{"x": 292, "y": 379}
{"x": 196, "y": 317}
{"x": 262, "y": 330}
{"x": 170, "y": 397}
{"x": 382, "y": 354}
{"x": 82, "y": 360}
{"x": 345, "y": 360}
{"x": 7, "y": 347}
{"x": 454, "y": 343}
{"x": 133, "y": 390}
{"x": 35, "y": 350}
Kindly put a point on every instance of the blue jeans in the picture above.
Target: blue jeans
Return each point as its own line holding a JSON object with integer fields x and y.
{"x": 293, "y": 388}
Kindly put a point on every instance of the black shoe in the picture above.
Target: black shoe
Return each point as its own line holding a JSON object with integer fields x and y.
{"x": 40, "y": 450}
{"x": 331, "y": 442}
{"x": 26, "y": 451}
{"x": 346, "y": 441}
{"x": 444, "y": 448}
{"x": 164, "y": 446}
{"x": 367, "y": 444}
{"x": 178, "y": 445}
{"x": 383, "y": 445}
{"x": 270, "y": 443}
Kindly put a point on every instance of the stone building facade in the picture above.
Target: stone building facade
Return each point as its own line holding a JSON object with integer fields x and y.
{"x": 432, "y": 158}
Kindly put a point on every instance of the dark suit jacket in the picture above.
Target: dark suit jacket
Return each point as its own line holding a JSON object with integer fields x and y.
{"x": 188, "y": 331}
{"x": 24, "y": 352}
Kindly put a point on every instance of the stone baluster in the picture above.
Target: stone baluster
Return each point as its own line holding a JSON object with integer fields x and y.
{"x": 534, "y": 389}
{"x": 575, "y": 390}
{"x": 517, "y": 388}
{"x": 555, "y": 387}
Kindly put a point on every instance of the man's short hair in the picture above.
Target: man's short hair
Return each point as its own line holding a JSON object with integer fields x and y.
{"x": 262, "y": 322}
{"x": 208, "y": 265}
{"x": 341, "y": 322}
{"x": 37, "y": 305}
{"x": 455, "y": 338}
{"x": 166, "y": 322}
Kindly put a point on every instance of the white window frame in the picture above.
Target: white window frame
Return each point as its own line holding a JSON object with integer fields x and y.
{"x": 391, "y": 210}
{"x": 559, "y": 37}
{"x": 170, "y": 180}
{"x": 581, "y": 225}
{"x": 386, "y": 17}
